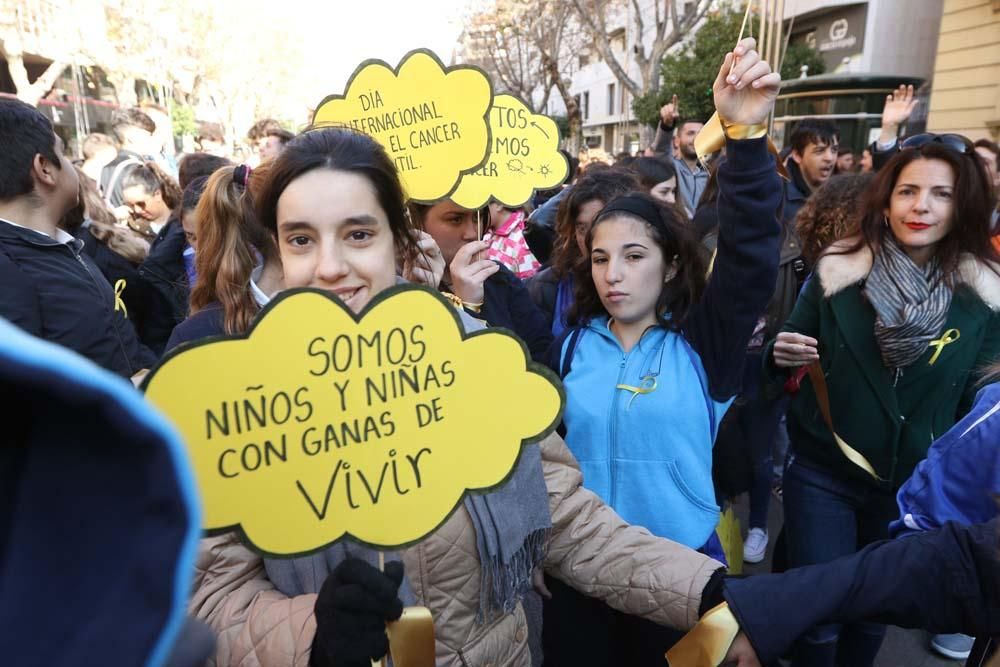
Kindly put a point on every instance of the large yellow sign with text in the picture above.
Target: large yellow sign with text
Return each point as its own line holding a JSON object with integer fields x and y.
{"x": 432, "y": 119}
{"x": 320, "y": 424}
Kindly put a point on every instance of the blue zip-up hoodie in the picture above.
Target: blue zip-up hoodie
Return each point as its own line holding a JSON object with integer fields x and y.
{"x": 960, "y": 478}
{"x": 650, "y": 457}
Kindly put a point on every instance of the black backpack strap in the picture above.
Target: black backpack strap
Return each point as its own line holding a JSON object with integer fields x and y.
{"x": 567, "y": 360}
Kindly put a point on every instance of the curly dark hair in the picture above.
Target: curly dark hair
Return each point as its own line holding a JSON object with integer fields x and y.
{"x": 832, "y": 213}
{"x": 603, "y": 186}
{"x": 676, "y": 238}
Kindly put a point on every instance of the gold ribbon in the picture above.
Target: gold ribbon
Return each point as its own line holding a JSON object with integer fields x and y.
{"x": 411, "y": 638}
{"x": 708, "y": 642}
{"x": 947, "y": 338}
{"x": 119, "y": 304}
{"x": 823, "y": 399}
{"x": 647, "y": 386}
{"x": 712, "y": 138}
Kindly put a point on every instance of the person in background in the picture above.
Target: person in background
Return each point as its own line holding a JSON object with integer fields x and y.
{"x": 691, "y": 175}
{"x": 657, "y": 177}
{"x": 832, "y": 213}
{"x": 899, "y": 106}
{"x": 98, "y": 151}
{"x": 989, "y": 151}
{"x": 845, "y": 161}
{"x": 257, "y": 137}
{"x": 865, "y": 163}
{"x": 199, "y": 165}
{"x": 487, "y": 290}
{"x": 552, "y": 288}
{"x": 508, "y": 245}
{"x": 51, "y": 288}
{"x": 162, "y": 146}
{"x": 273, "y": 143}
{"x": 151, "y": 195}
{"x": 133, "y": 130}
{"x": 211, "y": 139}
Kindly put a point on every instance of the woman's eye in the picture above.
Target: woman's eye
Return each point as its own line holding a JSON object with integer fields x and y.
{"x": 944, "y": 194}
{"x": 359, "y": 235}
{"x": 299, "y": 241}
{"x": 598, "y": 260}
{"x": 633, "y": 257}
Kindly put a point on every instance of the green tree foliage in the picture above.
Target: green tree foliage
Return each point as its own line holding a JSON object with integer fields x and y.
{"x": 690, "y": 72}
{"x": 183, "y": 121}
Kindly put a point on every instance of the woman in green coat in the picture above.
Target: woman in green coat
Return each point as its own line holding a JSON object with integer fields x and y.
{"x": 899, "y": 319}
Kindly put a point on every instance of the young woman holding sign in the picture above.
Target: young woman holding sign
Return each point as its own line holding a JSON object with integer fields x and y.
{"x": 656, "y": 357}
{"x": 334, "y": 203}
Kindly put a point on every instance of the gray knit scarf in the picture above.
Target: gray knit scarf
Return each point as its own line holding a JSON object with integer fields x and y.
{"x": 512, "y": 527}
{"x": 911, "y": 304}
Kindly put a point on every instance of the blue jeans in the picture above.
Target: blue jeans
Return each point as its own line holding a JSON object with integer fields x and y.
{"x": 828, "y": 516}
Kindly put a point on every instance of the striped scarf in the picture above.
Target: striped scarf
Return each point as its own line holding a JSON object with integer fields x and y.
{"x": 911, "y": 304}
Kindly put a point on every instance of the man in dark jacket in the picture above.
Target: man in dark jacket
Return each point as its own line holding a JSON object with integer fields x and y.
{"x": 51, "y": 288}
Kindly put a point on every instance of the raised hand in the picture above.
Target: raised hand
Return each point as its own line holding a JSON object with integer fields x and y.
{"x": 899, "y": 104}
{"x": 745, "y": 92}
{"x": 669, "y": 113}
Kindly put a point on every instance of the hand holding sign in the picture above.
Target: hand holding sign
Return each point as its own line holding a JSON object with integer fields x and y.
{"x": 432, "y": 120}
{"x": 745, "y": 92}
{"x": 524, "y": 157}
{"x": 469, "y": 272}
{"x": 319, "y": 424}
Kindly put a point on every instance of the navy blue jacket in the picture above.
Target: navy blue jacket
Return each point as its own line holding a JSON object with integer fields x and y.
{"x": 206, "y": 322}
{"x": 507, "y": 304}
{"x": 55, "y": 291}
{"x": 946, "y": 580}
{"x": 99, "y": 518}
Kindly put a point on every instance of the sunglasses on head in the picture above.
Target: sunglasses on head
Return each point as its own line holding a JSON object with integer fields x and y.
{"x": 955, "y": 142}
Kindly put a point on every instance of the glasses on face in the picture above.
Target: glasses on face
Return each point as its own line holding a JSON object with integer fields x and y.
{"x": 955, "y": 142}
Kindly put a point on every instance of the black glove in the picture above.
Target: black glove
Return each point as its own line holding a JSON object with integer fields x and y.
{"x": 351, "y": 610}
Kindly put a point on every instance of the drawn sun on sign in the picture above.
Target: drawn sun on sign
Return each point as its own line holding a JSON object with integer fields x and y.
{"x": 544, "y": 170}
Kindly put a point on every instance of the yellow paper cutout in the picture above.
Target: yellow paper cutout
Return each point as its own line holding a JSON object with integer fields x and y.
{"x": 708, "y": 642}
{"x": 412, "y": 402}
{"x": 432, "y": 120}
{"x": 524, "y": 157}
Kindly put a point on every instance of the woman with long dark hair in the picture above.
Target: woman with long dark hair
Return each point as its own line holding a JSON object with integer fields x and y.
{"x": 655, "y": 356}
{"x": 333, "y": 204}
{"x": 898, "y": 319}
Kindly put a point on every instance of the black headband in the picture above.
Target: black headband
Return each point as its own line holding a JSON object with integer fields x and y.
{"x": 241, "y": 175}
{"x": 637, "y": 206}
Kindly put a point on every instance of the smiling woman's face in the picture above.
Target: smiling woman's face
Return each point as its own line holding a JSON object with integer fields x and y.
{"x": 334, "y": 236}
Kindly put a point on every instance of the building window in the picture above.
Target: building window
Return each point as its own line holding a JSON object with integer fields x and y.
{"x": 611, "y": 99}
{"x": 586, "y": 105}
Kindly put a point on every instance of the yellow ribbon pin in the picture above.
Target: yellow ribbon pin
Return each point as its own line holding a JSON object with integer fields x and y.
{"x": 119, "y": 304}
{"x": 647, "y": 386}
{"x": 949, "y": 337}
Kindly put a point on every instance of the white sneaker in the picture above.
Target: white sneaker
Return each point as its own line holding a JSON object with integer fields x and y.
{"x": 954, "y": 646}
{"x": 755, "y": 546}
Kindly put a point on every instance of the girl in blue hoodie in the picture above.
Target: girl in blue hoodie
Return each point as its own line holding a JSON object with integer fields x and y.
{"x": 655, "y": 355}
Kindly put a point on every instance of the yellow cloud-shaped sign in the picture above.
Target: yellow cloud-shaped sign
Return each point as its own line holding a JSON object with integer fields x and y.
{"x": 524, "y": 157}
{"x": 318, "y": 424}
{"x": 431, "y": 119}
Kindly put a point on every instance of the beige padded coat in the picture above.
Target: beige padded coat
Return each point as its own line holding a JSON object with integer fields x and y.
{"x": 591, "y": 548}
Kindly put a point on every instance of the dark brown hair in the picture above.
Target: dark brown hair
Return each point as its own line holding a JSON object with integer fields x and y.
{"x": 229, "y": 238}
{"x": 195, "y": 165}
{"x": 676, "y": 238}
{"x": 833, "y": 212}
{"x": 338, "y": 149}
{"x": 601, "y": 185}
{"x": 971, "y": 196}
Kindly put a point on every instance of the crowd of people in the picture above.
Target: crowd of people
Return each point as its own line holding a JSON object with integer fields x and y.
{"x": 830, "y": 338}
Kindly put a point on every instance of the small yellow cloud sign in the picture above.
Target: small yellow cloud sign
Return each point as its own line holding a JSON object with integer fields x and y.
{"x": 318, "y": 425}
{"x": 524, "y": 157}
{"x": 432, "y": 120}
